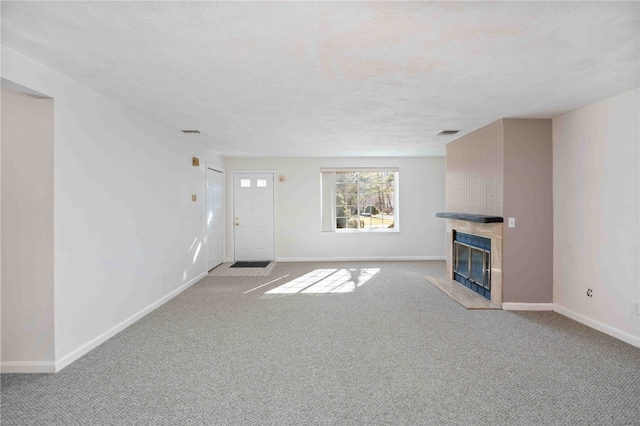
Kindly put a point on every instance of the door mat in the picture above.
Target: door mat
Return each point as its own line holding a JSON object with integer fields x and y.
{"x": 251, "y": 264}
{"x": 225, "y": 270}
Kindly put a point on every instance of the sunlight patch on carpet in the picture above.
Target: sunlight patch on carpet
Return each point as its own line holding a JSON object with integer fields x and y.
{"x": 324, "y": 281}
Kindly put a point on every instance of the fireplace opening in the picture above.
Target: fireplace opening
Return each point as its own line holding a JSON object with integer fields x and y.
{"x": 472, "y": 262}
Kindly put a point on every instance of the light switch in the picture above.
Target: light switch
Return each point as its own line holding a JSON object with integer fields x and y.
{"x": 194, "y": 197}
{"x": 511, "y": 222}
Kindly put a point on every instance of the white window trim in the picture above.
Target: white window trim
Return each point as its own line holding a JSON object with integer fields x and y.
{"x": 328, "y": 205}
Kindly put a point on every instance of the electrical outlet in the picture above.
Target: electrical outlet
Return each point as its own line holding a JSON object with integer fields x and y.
{"x": 589, "y": 292}
{"x": 164, "y": 276}
{"x": 635, "y": 307}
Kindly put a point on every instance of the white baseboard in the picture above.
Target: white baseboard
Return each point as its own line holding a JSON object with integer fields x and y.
{"x": 597, "y": 325}
{"x": 28, "y": 367}
{"x": 358, "y": 259}
{"x": 606, "y": 329}
{"x": 87, "y": 347}
{"x": 513, "y": 306}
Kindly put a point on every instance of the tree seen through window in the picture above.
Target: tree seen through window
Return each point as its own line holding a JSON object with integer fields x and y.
{"x": 365, "y": 200}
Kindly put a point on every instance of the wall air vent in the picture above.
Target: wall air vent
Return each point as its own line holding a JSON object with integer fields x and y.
{"x": 447, "y": 132}
{"x": 191, "y": 132}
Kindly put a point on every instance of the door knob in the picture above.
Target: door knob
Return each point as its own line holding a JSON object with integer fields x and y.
{"x": 237, "y": 223}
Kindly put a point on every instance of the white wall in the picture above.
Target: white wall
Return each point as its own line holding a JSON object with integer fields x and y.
{"x": 122, "y": 206}
{"x": 27, "y": 230}
{"x": 298, "y": 222}
{"x": 596, "y": 214}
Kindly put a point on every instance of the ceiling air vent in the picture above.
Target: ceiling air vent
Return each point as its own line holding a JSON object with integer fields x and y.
{"x": 191, "y": 132}
{"x": 447, "y": 132}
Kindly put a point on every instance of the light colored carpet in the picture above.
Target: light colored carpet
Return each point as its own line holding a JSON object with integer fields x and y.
{"x": 225, "y": 270}
{"x": 392, "y": 351}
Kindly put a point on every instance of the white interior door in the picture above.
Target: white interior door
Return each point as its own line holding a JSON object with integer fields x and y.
{"x": 253, "y": 216}
{"x": 214, "y": 239}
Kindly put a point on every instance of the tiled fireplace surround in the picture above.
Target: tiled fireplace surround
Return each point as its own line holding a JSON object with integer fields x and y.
{"x": 492, "y": 231}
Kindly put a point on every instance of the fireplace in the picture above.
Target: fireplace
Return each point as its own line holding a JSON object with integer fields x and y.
{"x": 486, "y": 268}
{"x": 472, "y": 262}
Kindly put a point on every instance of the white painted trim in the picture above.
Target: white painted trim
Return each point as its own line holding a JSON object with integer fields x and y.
{"x": 87, "y": 347}
{"x": 357, "y": 259}
{"x": 358, "y": 169}
{"x": 27, "y": 367}
{"x": 233, "y": 207}
{"x": 211, "y": 166}
{"x": 597, "y": 325}
{"x": 514, "y": 306}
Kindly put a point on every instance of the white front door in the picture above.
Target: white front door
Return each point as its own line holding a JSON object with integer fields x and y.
{"x": 253, "y": 216}
{"x": 214, "y": 239}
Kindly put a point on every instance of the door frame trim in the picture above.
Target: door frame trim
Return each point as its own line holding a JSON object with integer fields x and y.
{"x": 219, "y": 169}
{"x": 233, "y": 208}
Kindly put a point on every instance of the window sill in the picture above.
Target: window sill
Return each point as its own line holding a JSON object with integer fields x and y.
{"x": 363, "y": 231}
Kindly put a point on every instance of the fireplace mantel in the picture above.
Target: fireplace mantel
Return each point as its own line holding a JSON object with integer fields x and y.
{"x": 478, "y": 218}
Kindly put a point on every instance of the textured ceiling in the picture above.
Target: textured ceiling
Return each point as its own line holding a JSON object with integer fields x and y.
{"x": 330, "y": 78}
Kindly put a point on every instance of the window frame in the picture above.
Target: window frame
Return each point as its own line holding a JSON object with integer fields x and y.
{"x": 329, "y": 206}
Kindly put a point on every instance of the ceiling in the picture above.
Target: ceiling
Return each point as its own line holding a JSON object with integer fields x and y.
{"x": 331, "y": 78}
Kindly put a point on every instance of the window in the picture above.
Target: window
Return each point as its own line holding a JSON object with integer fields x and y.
{"x": 360, "y": 200}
